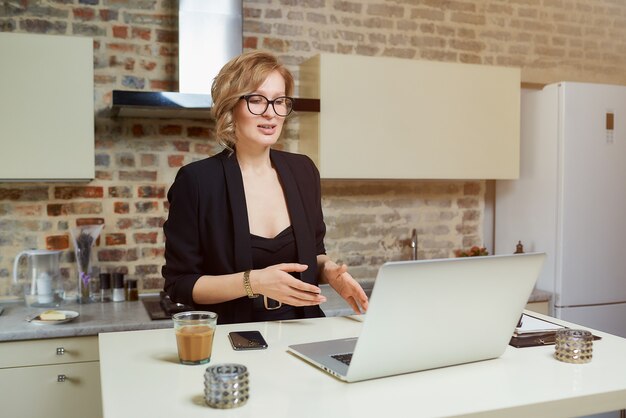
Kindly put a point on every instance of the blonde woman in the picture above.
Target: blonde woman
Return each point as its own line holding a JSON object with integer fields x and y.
{"x": 245, "y": 232}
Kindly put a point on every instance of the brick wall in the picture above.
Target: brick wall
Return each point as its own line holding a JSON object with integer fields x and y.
{"x": 368, "y": 222}
{"x": 551, "y": 40}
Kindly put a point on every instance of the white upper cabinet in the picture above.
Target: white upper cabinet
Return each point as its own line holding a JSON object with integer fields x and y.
{"x": 46, "y": 107}
{"x": 391, "y": 118}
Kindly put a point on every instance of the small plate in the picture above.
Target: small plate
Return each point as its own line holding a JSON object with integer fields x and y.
{"x": 69, "y": 316}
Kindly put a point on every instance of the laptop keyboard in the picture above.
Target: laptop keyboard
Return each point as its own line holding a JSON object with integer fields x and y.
{"x": 344, "y": 358}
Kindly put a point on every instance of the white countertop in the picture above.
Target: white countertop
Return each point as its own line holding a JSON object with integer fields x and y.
{"x": 141, "y": 376}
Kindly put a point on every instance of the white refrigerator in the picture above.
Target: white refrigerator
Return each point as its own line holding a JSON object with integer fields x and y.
{"x": 570, "y": 200}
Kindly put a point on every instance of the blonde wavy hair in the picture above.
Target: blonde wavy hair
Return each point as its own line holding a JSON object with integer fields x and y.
{"x": 240, "y": 76}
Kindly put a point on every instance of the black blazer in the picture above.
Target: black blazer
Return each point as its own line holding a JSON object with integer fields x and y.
{"x": 207, "y": 230}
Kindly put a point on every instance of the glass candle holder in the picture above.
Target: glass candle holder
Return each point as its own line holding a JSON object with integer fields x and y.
{"x": 226, "y": 386}
{"x": 574, "y": 346}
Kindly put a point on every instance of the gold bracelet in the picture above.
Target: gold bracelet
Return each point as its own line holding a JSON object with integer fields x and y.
{"x": 246, "y": 285}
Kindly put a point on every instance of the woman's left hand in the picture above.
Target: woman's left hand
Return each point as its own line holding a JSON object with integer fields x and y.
{"x": 345, "y": 285}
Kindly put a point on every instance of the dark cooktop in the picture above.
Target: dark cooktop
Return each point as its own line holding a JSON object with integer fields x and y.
{"x": 162, "y": 307}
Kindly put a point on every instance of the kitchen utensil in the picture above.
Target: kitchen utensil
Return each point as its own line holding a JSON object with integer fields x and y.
{"x": 43, "y": 287}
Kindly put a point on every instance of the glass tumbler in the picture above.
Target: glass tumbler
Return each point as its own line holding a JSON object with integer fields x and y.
{"x": 226, "y": 386}
{"x": 194, "y": 336}
{"x": 574, "y": 346}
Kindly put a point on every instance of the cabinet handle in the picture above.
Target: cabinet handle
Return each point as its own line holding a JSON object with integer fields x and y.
{"x": 61, "y": 378}
{"x": 60, "y": 351}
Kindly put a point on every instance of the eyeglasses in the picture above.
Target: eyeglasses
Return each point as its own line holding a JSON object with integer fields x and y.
{"x": 258, "y": 104}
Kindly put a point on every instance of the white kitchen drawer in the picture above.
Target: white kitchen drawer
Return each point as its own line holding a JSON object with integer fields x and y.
{"x": 36, "y": 392}
{"x": 48, "y": 351}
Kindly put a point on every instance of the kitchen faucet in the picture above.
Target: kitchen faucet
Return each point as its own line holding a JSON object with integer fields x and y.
{"x": 414, "y": 244}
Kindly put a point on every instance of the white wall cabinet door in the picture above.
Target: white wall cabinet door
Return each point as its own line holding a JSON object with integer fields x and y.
{"x": 391, "y": 118}
{"x": 46, "y": 107}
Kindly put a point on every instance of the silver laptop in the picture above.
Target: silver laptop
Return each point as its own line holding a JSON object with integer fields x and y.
{"x": 432, "y": 313}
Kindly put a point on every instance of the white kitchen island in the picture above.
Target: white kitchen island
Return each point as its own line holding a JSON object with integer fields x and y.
{"x": 141, "y": 377}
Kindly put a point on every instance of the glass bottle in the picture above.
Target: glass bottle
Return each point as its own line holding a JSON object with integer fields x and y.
{"x": 132, "y": 294}
{"x": 105, "y": 287}
{"x": 118, "y": 287}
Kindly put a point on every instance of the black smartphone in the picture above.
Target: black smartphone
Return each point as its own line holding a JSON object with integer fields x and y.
{"x": 247, "y": 340}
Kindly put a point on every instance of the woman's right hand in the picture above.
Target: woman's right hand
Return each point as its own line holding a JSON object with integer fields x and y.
{"x": 275, "y": 282}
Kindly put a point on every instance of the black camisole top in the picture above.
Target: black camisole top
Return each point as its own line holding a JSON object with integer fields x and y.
{"x": 267, "y": 252}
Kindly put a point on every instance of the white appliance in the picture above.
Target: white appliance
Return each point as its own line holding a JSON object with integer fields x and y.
{"x": 570, "y": 200}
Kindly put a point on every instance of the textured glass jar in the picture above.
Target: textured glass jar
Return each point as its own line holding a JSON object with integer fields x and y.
{"x": 574, "y": 346}
{"x": 226, "y": 385}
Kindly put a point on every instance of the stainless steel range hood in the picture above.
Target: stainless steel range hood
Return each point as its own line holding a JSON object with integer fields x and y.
{"x": 210, "y": 33}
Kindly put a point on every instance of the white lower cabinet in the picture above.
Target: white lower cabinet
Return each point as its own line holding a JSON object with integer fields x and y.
{"x": 51, "y": 378}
